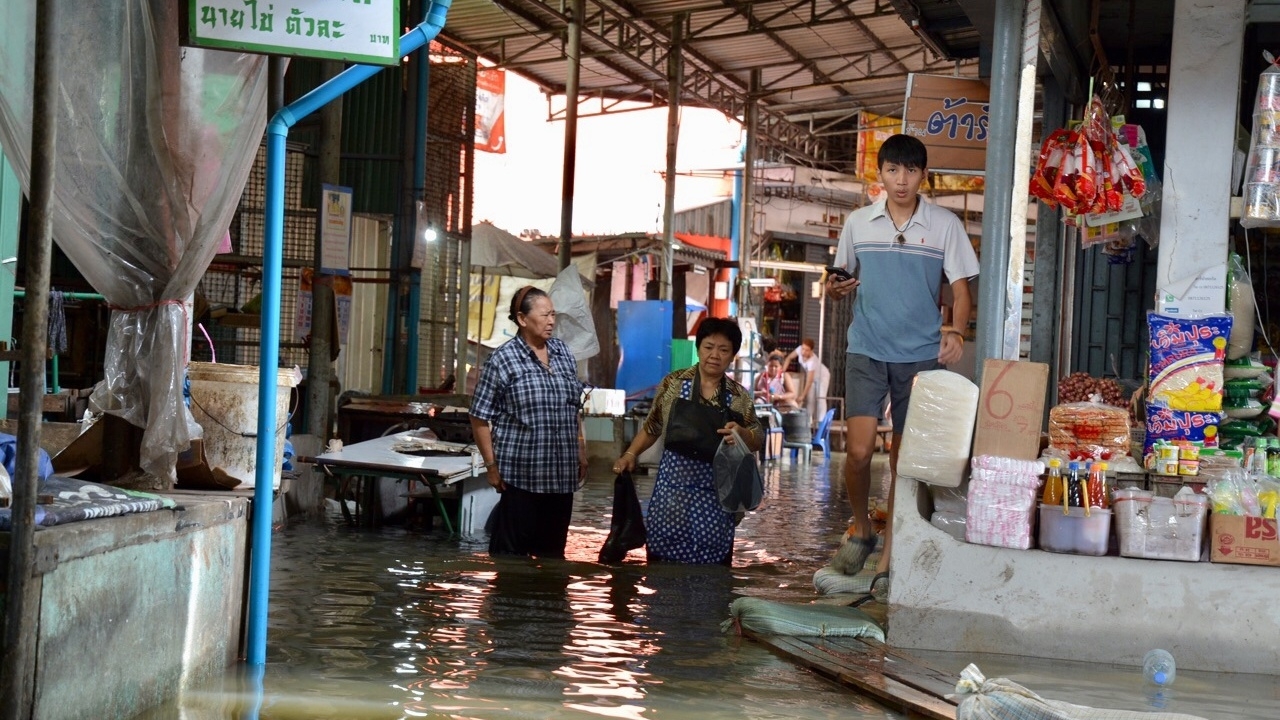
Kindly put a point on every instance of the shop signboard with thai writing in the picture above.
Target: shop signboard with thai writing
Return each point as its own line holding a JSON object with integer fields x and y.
{"x": 949, "y": 114}
{"x": 358, "y": 31}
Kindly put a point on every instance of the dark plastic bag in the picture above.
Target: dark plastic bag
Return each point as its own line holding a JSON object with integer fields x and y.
{"x": 691, "y": 429}
{"x": 626, "y": 530}
{"x": 737, "y": 476}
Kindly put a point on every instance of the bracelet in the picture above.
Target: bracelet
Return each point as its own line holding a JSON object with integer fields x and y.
{"x": 628, "y": 452}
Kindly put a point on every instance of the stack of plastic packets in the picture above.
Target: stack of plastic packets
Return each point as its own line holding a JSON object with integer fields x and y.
{"x": 1002, "y": 500}
{"x": 1262, "y": 170}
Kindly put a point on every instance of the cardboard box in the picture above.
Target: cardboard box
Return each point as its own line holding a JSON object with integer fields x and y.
{"x": 1243, "y": 540}
{"x": 1011, "y": 409}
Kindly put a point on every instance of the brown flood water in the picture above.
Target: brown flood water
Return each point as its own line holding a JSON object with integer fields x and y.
{"x": 399, "y": 624}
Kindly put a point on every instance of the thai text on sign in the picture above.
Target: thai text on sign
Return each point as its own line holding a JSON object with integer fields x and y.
{"x": 364, "y": 31}
{"x": 949, "y": 115}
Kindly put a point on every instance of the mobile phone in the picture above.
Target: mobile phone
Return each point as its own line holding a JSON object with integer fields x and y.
{"x": 839, "y": 273}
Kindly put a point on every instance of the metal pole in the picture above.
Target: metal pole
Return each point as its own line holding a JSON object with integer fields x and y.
{"x": 675, "y": 78}
{"x": 319, "y": 366}
{"x": 1019, "y": 197}
{"x": 746, "y": 225}
{"x": 420, "y": 66}
{"x": 573, "y": 55}
{"x": 1049, "y": 233}
{"x": 994, "y": 263}
{"x": 464, "y": 255}
{"x": 22, "y": 593}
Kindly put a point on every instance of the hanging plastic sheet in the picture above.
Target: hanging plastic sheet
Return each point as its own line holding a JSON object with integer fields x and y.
{"x": 154, "y": 144}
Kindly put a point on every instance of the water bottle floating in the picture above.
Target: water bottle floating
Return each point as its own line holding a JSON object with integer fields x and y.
{"x": 1158, "y": 667}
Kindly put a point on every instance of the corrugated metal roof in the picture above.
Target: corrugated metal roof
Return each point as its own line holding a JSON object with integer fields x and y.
{"x": 809, "y": 56}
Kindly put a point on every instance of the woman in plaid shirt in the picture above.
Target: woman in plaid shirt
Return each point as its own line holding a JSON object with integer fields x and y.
{"x": 525, "y": 419}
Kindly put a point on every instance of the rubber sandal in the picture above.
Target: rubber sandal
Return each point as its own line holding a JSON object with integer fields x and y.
{"x": 853, "y": 554}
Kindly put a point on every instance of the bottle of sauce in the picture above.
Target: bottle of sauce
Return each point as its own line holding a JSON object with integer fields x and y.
{"x": 1098, "y": 486}
{"x": 1053, "y": 483}
{"x": 1075, "y": 486}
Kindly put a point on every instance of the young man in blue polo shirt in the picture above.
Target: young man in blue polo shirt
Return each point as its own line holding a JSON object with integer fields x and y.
{"x": 899, "y": 250}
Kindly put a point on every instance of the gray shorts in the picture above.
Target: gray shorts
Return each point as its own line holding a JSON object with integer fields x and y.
{"x": 867, "y": 382}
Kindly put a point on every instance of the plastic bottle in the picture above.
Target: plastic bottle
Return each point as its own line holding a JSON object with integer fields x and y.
{"x": 1158, "y": 667}
{"x": 1053, "y": 483}
{"x": 1074, "y": 497}
{"x": 1273, "y": 456}
{"x": 1098, "y": 486}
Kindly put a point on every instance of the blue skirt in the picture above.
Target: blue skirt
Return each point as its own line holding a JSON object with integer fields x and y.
{"x": 685, "y": 521}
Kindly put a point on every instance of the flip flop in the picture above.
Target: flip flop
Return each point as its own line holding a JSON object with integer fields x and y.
{"x": 871, "y": 594}
{"x": 853, "y": 554}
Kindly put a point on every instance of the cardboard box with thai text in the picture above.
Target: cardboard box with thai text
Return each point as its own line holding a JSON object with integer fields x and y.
{"x": 1243, "y": 540}
{"x": 1011, "y": 409}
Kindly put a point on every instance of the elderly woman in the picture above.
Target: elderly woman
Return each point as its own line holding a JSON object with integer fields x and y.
{"x": 524, "y": 416}
{"x": 685, "y": 521}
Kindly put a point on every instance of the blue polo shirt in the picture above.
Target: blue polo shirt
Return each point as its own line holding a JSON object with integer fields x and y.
{"x": 895, "y": 312}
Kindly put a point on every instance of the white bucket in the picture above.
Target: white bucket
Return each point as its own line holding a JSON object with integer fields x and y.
{"x": 224, "y": 400}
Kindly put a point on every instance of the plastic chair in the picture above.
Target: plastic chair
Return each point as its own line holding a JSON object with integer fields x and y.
{"x": 821, "y": 439}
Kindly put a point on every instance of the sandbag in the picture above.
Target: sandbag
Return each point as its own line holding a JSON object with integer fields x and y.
{"x": 939, "y": 428}
{"x": 829, "y": 581}
{"x": 1002, "y": 699}
{"x": 774, "y": 618}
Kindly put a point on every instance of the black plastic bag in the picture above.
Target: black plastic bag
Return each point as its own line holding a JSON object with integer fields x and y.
{"x": 626, "y": 531}
{"x": 691, "y": 429}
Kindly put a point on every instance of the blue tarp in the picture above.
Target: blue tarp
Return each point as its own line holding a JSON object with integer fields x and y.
{"x": 9, "y": 456}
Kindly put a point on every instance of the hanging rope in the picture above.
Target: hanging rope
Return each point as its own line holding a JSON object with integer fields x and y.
{"x": 57, "y": 323}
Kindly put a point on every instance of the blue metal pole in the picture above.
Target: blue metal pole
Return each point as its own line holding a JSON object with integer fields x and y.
{"x": 419, "y": 190}
{"x": 269, "y": 347}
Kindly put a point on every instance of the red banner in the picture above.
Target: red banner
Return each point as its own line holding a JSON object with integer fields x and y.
{"x": 491, "y": 133}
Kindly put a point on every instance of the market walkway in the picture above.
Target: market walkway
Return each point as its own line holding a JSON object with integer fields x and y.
{"x": 391, "y": 623}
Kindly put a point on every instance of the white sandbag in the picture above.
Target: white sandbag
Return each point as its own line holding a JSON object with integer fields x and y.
{"x": 829, "y": 581}
{"x": 774, "y": 618}
{"x": 1001, "y": 699}
{"x": 939, "y": 429}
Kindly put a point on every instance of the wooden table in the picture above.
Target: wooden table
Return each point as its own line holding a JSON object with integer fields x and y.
{"x": 356, "y": 467}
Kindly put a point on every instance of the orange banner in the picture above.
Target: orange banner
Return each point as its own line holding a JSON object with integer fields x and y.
{"x": 491, "y": 135}
{"x": 873, "y": 130}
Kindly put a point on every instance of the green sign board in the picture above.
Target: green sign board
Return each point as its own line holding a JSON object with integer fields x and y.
{"x": 359, "y": 31}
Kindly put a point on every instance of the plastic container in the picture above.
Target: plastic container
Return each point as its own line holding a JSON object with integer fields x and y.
{"x": 224, "y": 400}
{"x": 795, "y": 426}
{"x": 1161, "y": 528}
{"x": 1074, "y": 532}
{"x": 1158, "y": 667}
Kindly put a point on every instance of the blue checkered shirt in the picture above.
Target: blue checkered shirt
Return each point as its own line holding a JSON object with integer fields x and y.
{"x": 533, "y": 415}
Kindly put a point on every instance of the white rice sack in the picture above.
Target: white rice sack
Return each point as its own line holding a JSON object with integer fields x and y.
{"x": 939, "y": 430}
{"x": 774, "y": 618}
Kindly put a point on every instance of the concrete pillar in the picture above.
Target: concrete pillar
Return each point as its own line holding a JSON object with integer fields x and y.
{"x": 1204, "y": 88}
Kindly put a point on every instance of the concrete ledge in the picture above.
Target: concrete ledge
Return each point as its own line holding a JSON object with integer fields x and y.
{"x": 133, "y": 609}
{"x": 952, "y": 596}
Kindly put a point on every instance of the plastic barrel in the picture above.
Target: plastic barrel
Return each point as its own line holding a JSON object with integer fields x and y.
{"x": 795, "y": 426}
{"x": 224, "y": 401}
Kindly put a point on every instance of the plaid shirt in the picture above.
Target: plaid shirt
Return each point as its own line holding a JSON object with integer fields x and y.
{"x": 533, "y": 415}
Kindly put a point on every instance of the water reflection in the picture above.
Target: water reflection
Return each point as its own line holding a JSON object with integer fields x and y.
{"x": 392, "y": 623}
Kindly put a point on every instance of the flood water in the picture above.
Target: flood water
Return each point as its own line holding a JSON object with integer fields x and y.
{"x": 395, "y": 623}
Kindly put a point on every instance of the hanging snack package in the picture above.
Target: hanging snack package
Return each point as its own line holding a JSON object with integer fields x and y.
{"x": 1262, "y": 170}
{"x": 1240, "y": 303}
{"x": 1187, "y": 356}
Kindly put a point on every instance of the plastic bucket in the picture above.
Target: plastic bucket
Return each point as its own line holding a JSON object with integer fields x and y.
{"x": 795, "y": 426}
{"x": 224, "y": 400}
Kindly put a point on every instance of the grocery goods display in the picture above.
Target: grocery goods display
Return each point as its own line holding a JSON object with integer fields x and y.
{"x": 1081, "y": 386}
